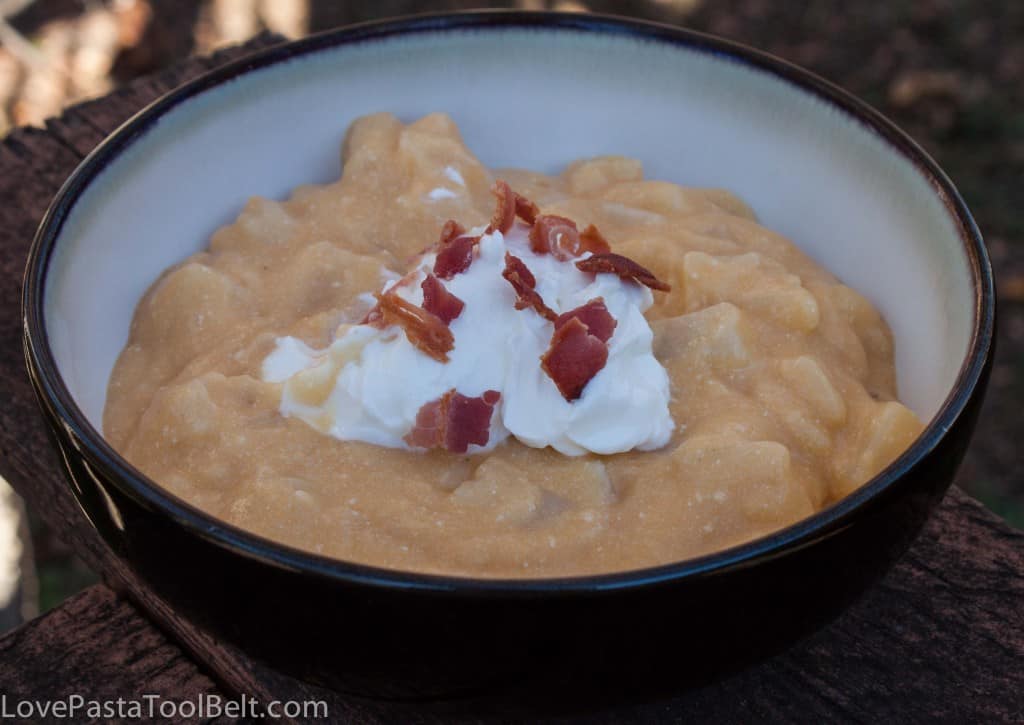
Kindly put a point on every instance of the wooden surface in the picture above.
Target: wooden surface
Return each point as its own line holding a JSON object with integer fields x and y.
{"x": 97, "y": 646}
{"x": 942, "y": 636}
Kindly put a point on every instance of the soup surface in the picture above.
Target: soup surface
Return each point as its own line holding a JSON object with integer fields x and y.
{"x": 783, "y": 391}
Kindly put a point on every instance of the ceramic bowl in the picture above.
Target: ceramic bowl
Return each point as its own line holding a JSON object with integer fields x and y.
{"x": 536, "y": 91}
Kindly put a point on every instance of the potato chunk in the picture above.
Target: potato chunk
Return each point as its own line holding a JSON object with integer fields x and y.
{"x": 498, "y": 485}
{"x": 886, "y": 430}
{"x": 717, "y": 336}
{"x": 756, "y": 473}
{"x": 190, "y": 311}
{"x": 752, "y": 282}
{"x": 806, "y": 378}
{"x": 595, "y": 175}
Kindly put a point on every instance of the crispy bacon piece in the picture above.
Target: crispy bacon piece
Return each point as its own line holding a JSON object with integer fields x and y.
{"x": 454, "y": 250}
{"x": 573, "y": 358}
{"x": 439, "y": 301}
{"x": 526, "y": 209}
{"x": 454, "y": 421}
{"x": 560, "y": 237}
{"x": 454, "y": 257}
{"x": 375, "y": 317}
{"x": 510, "y": 206}
{"x": 505, "y": 213}
{"x": 515, "y": 266}
{"x": 591, "y": 240}
{"x": 523, "y": 282}
{"x": 424, "y": 329}
{"x": 624, "y": 267}
{"x": 555, "y": 235}
{"x": 594, "y": 315}
{"x": 450, "y": 231}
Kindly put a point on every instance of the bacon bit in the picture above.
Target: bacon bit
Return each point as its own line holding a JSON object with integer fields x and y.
{"x": 454, "y": 250}
{"x": 450, "y": 231}
{"x": 555, "y": 235}
{"x": 454, "y": 257}
{"x": 526, "y": 209}
{"x": 454, "y": 421}
{"x": 515, "y": 266}
{"x": 505, "y": 213}
{"x": 594, "y": 315}
{"x": 439, "y": 301}
{"x": 559, "y": 236}
{"x": 425, "y": 330}
{"x": 624, "y": 267}
{"x": 574, "y": 358}
{"x": 510, "y": 206}
{"x": 523, "y": 282}
{"x": 375, "y": 318}
{"x": 591, "y": 240}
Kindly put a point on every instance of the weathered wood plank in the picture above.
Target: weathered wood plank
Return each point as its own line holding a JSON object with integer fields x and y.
{"x": 941, "y": 637}
{"x": 97, "y": 647}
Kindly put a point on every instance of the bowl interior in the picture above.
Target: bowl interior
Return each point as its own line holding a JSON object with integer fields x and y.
{"x": 528, "y": 97}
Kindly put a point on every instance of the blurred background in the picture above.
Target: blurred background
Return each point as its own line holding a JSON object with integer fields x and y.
{"x": 950, "y": 72}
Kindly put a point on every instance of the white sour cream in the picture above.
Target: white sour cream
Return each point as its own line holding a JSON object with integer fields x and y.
{"x": 372, "y": 382}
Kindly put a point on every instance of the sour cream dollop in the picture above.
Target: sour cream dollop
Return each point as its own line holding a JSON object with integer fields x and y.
{"x": 370, "y": 383}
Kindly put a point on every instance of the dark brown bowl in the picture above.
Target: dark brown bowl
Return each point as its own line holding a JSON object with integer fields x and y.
{"x": 816, "y": 163}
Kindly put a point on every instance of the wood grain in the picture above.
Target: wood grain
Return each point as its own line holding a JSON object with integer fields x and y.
{"x": 941, "y": 637}
{"x": 98, "y": 647}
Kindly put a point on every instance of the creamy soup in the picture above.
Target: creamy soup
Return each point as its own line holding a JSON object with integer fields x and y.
{"x": 780, "y": 393}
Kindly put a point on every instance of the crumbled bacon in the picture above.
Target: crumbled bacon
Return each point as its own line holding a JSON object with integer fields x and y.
{"x": 505, "y": 213}
{"x": 515, "y": 266}
{"x": 439, "y": 301}
{"x": 594, "y": 315}
{"x": 526, "y": 209}
{"x": 424, "y": 329}
{"x": 591, "y": 240}
{"x": 454, "y": 250}
{"x": 511, "y": 205}
{"x": 573, "y": 358}
{"x": 624, "y": 267}
{"x": 375, "y": 317}
{"x": 454, "y": 421}
{"x": 523, "y": 282}
{"x": 556, "y": 235}
{"x": 450, "y": 231}
{"x": 454, "y": 257}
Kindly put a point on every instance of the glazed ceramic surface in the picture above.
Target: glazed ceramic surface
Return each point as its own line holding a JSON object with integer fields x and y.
{"x": 534, "y": 91}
